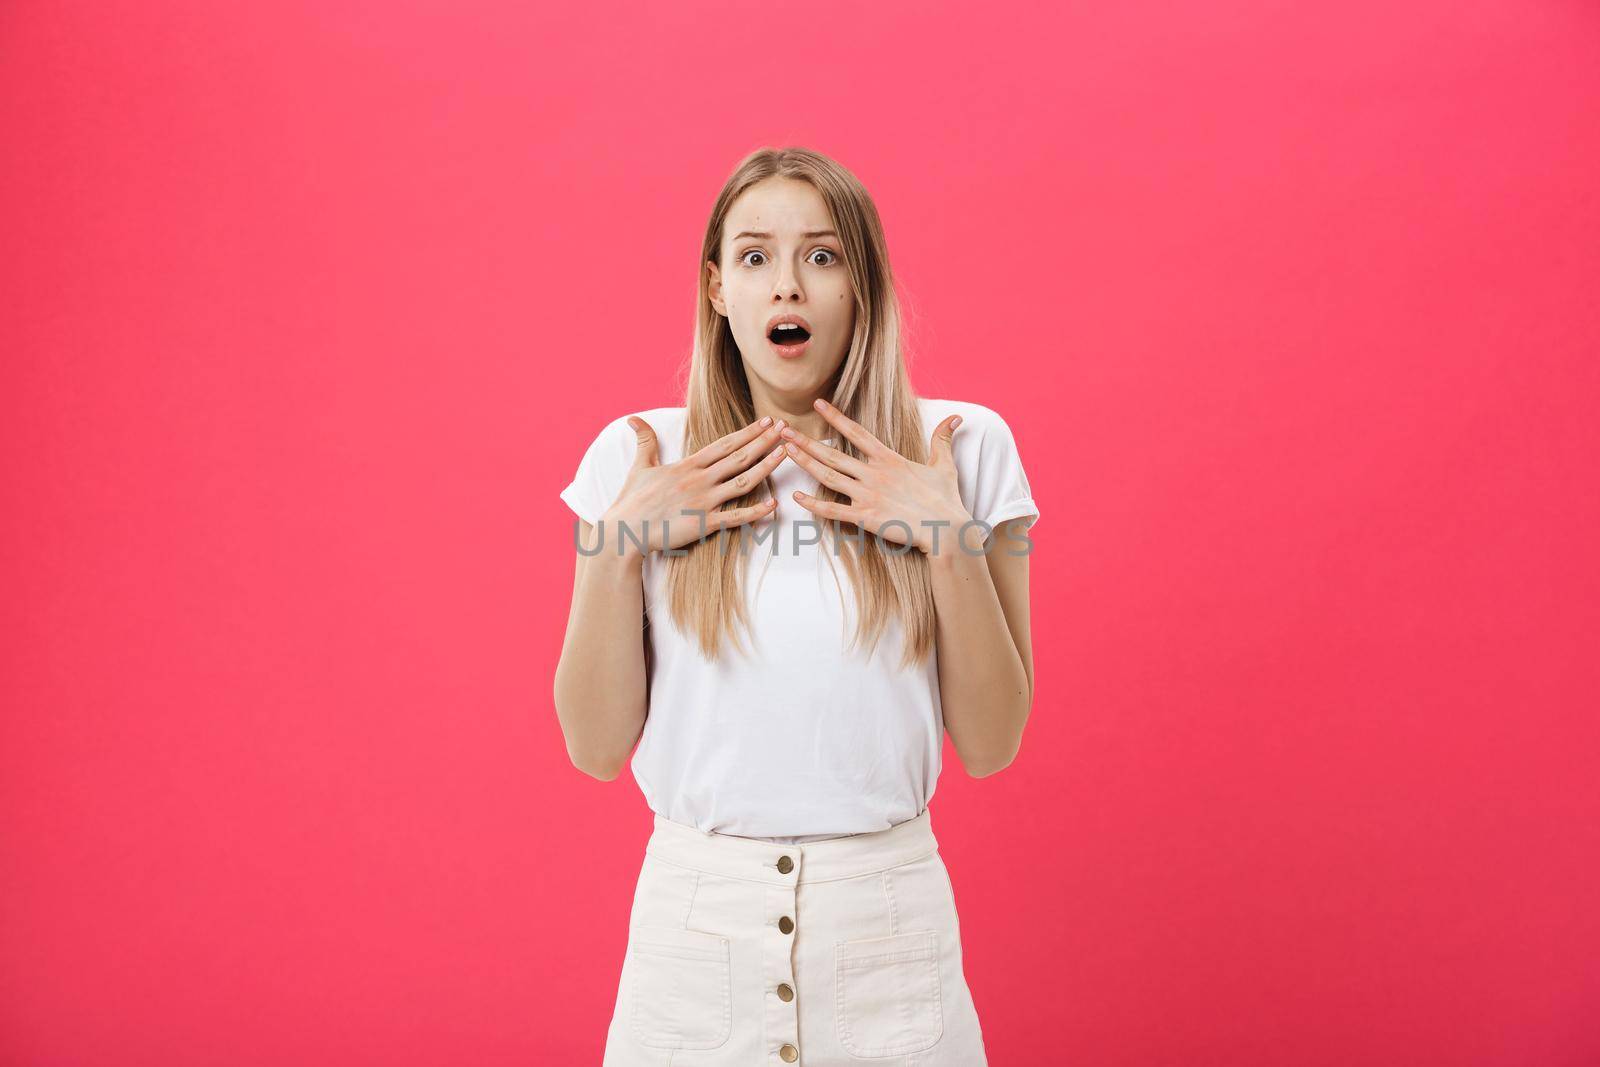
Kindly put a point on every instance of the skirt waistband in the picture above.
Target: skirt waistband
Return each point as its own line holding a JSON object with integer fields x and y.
{"x": 812, "y": 861}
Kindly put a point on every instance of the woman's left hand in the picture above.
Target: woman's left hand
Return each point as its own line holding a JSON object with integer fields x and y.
{"x": 890, "y": 496}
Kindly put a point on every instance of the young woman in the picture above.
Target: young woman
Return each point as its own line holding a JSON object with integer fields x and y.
{"x": 785, "y": 595}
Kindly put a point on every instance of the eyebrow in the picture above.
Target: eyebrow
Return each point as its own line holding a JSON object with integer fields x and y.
{"x": 808, "y": 233}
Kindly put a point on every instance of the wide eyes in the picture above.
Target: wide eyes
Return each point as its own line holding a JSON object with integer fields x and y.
{"x": 745, "y": 259}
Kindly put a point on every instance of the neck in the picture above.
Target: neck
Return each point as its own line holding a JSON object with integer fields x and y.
{"x": 808, "y": 421}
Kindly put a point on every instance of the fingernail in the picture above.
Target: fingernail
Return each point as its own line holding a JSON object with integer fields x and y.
{"x": 956, "y": 423}
{"x": 821, "y": 403}
{"x": 767, "y": 421}
{"x": 786, "y": 432}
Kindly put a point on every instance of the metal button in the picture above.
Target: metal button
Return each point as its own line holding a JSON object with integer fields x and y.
{"x": 785, "y": 864}
{"x": 788, "y": 1054}
{"x": 786, "y": 924}
{"x": 785, "y": 994}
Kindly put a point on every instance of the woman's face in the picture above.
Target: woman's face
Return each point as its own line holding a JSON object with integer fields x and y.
{"x": 780, "y": 257}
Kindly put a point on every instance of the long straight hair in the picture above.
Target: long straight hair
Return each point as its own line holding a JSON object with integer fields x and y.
{"x": 705, "y": 582}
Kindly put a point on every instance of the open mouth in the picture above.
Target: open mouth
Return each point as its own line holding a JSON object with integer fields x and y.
{"x": 788, "y": 334}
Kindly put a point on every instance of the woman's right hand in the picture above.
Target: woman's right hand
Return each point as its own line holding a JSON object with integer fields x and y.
{"x": 669, "y": 505}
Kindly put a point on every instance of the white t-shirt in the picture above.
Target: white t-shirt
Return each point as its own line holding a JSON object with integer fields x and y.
{"x": 799, "y": 738}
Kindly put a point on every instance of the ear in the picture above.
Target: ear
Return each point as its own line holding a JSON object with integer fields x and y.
{"x": 714, "y": 288}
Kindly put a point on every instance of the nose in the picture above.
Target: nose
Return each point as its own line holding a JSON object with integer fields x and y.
{"x": 788, "y": 284}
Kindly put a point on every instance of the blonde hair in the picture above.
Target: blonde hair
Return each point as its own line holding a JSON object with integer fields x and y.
{"x": 705, "y": 583}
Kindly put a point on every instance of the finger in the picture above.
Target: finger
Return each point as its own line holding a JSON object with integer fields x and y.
{"x": 745, "y": 454}
{"x": 853, "y": 431}
{"x": 941, "y": 447}
{"x": 838, "y": 481}
{"x": 833, "y": 457}
{"x": 727, "y": 444}
{"x": 827, "y": 509}
{"x": 719, "y": 520}
{"x": 648, "y": 451}
{"x": 743, "y": 481}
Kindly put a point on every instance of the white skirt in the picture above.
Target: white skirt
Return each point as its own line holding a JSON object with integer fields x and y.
{"x": 743, "y": 952}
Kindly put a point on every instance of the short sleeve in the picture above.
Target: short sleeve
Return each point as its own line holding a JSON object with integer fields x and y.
{"x": 602, "y": 470}
{"x": 996, "y": 486}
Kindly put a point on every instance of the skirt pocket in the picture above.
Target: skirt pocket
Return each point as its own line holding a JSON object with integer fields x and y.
{"x": 680, "y": 991}
{"x": 887, "y": 994}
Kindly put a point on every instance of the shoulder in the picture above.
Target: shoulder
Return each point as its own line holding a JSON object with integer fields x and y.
{"x": 973, "y": 414}
{"x": 603, "y": 468}
{"x": 989, "y": 470}
{"x": 662, "y": 420}
{"x": 618, "y": 440}
{"x": 978, "y": 421}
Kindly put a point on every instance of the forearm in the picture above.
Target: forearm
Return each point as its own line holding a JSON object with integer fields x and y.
{"x": 600, "y": 683}
{"x": 983, "y": 684}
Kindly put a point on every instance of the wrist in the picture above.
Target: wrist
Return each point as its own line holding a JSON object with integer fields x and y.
{"x": 617, "y": 542}
{"x": 958, "y": 536}
{"x": 619, "y": 559}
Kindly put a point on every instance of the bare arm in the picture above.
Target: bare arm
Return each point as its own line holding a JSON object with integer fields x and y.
{"x": 985, "y": 648}
{"x": 980, "y": 592}
{"x": 602, "y": 686}
{"x": 600, "y": 691}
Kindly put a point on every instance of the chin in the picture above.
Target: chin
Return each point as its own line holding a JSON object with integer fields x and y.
{"x": 797, "y": 377}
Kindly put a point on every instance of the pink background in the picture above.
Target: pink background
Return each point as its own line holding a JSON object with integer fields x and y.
{"x": 309, "y": 310}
